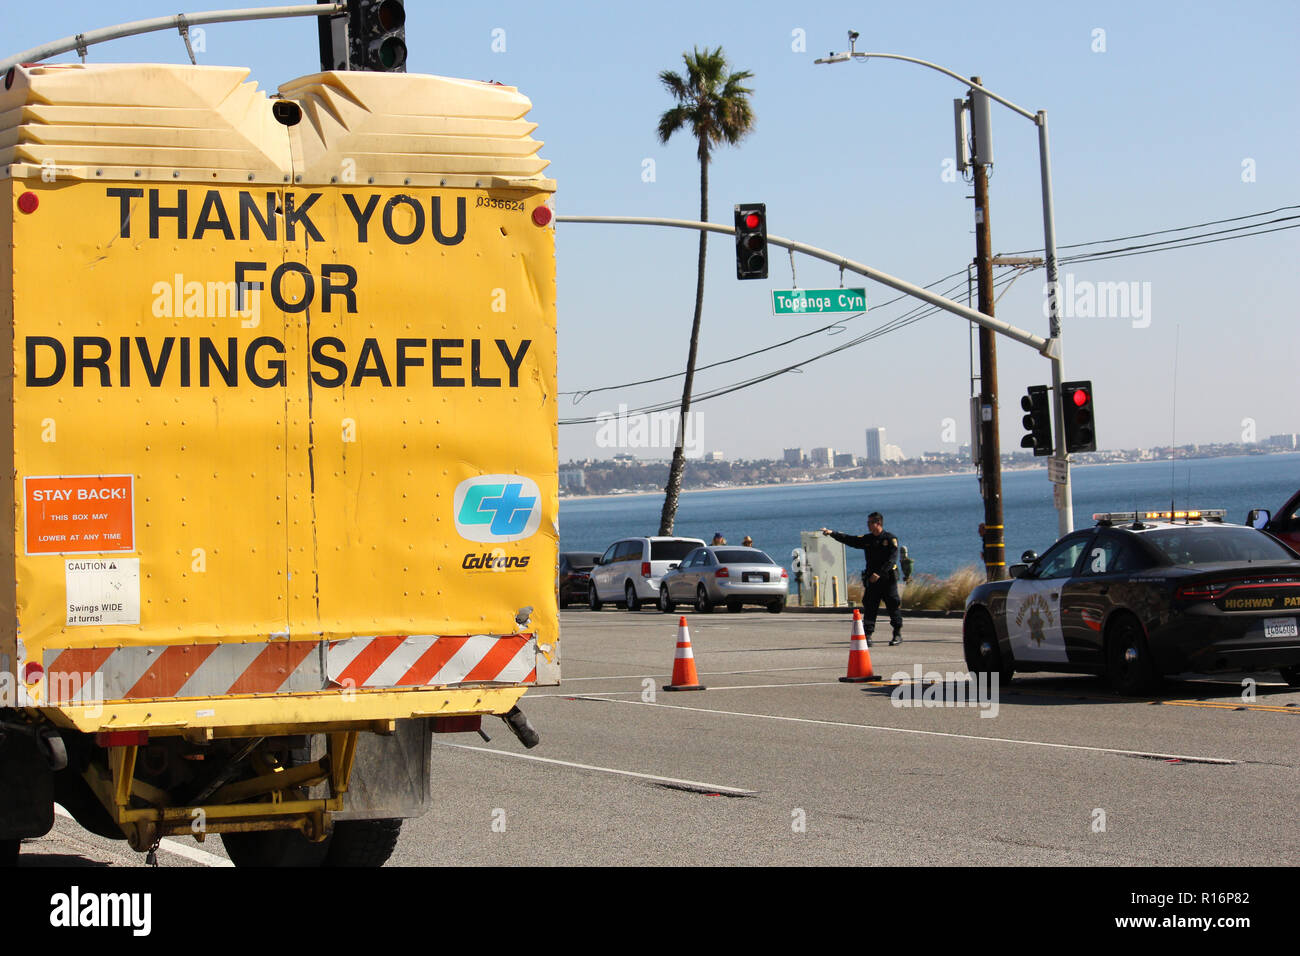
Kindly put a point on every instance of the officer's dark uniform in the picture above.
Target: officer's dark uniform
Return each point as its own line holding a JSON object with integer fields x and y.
{"x": 882, "y": 559}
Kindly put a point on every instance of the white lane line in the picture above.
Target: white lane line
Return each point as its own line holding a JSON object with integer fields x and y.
{"x": 755, "y": 670}
{"x": 927, "y": 733}
{"x": 713, "y": 787}
{"x": 191, "y": 853}
{"x": 760, "y": 670}
{"x": 613, "y": 693}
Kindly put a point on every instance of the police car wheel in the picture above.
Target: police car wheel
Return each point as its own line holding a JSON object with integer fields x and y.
{"x": 702, "y": 602}
{"x": 593, "y": 599}
{"x": 1129, "y": 667}
{"x": 1292, "y": 675}
{"x": 980, "y": 644}
{"x": 666, "y": 603}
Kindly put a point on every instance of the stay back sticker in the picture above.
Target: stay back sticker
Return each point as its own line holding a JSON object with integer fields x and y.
{"x": 79, "y": 514}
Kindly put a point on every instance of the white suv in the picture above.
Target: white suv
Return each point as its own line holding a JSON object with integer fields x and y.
{"x": 629, "y": 571}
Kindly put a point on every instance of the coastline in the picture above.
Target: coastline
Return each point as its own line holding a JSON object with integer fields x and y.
{"x": 952, "y": 474}
{"x": 785, "y": 484}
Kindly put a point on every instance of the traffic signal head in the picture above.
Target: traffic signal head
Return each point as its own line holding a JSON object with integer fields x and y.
{"x": 1037, "y": 420}
{"x": 1080, "y": 425}
{"x": 377, "y": 35}
{"x": 751, "y": 241}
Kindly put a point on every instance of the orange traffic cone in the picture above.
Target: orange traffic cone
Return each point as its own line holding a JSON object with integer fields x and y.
{"x": 684, "y": 676}
{"x": 859, "y": 657}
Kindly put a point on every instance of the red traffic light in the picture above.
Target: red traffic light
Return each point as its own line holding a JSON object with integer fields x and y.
{"x": 1080, "y": 397}
{"x": 751, "y": 241}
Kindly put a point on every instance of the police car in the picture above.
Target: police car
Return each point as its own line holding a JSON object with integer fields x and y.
{"x": 1141, "y": 595}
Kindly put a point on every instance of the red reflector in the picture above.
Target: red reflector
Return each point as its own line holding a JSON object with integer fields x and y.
{"x": 28, "y": 202}
{"x": 122, "y": 738}
{"x": 542, "y": 216}
{"x": 33, "y": 672}
{"x": 1201, "y": 592}
{"x": 645, "y": 569}
{"x": 466, "y": 724}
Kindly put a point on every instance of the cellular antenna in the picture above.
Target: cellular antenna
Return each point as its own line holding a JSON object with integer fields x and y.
{"x": 1173, "y": 421}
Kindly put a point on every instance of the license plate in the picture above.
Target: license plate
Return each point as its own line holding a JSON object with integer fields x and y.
{"x": 1281, "y": 627}
{"x": 754, "y": 576}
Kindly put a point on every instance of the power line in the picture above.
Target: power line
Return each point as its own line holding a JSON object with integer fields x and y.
{"x": 583, "y": 393}
{"x": 1161, "y": 232}
{"x": 924, "y": 310}
{"x": 907, "y": 318}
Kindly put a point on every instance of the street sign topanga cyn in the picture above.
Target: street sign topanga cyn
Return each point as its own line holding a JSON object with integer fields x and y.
{"x": 818, "y": 301}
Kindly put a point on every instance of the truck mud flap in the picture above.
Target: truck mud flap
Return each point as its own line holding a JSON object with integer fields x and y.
{"x": 26, "y": 785}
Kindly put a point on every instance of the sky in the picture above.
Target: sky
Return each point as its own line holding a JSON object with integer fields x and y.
{"x": 1161, "y": 115}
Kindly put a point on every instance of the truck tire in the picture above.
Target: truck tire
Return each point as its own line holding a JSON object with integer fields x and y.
{"x": 9, "y": 852}
{"x": 363, "y": 842}
{"x": 273, "y": 848}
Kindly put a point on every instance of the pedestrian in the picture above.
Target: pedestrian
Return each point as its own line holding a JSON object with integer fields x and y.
{"x": 718, "y": 538}
{"x": 748, "y": 542}
{"x": 879, "y": 577}
{"x": 905, "y": 563}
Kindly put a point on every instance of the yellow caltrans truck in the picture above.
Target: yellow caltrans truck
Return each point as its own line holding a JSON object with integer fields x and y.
{"x": 280, "y": 430}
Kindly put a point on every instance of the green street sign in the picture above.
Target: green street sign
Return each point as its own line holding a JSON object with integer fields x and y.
{"x": 818, "y": 301}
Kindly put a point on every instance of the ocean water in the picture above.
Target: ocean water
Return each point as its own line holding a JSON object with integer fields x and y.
{"x": 937, "y": 517}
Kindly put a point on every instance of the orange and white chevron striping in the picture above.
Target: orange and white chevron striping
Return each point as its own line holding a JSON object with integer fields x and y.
{"x": 85, "y": 675}
{"x": 427, "y": 660}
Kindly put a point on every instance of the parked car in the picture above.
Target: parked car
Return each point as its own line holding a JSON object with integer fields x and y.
{"x": 725, "y": 575}
{"x": 1139, "y": 596}
{"x": 1285, "y": 526}
{"x": 629, "y": 571}
{"x": 574, "y": 576}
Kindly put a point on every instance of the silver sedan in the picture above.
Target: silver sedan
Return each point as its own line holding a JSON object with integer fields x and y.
{"x": 725, "y": 575}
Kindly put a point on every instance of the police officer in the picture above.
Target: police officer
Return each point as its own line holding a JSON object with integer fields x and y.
{"x": 880, "y": 578}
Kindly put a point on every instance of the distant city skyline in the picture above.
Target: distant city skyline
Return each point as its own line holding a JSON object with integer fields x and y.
{"x": 1283, "y": 440}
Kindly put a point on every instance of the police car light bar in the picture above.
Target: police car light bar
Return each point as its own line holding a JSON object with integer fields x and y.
{"x": 1205, "y": 514}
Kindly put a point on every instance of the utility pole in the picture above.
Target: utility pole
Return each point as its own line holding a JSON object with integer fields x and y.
{"x": 994, "y": 547}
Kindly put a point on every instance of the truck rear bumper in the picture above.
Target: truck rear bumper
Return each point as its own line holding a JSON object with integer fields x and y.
{"x": 254, "y": 715}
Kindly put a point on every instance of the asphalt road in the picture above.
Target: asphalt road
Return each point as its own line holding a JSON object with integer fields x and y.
{"x": 778, "y": 762}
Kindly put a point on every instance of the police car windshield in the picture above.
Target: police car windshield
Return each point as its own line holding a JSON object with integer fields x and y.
{"x": 746, "y": 556}
{"x": 1209, "y": 545}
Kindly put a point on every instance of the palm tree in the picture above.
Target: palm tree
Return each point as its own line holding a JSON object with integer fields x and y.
{"x": 714, "y": 103}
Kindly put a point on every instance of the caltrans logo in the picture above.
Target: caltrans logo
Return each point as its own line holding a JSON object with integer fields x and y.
{"x": 495, "y": 508}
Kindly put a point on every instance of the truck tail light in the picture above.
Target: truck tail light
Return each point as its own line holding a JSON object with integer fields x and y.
{"x": 459, "y": 724}
{"x": 122, "y": 738}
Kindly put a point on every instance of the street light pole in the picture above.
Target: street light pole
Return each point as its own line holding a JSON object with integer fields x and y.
{"x": 1063, "y": 493}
